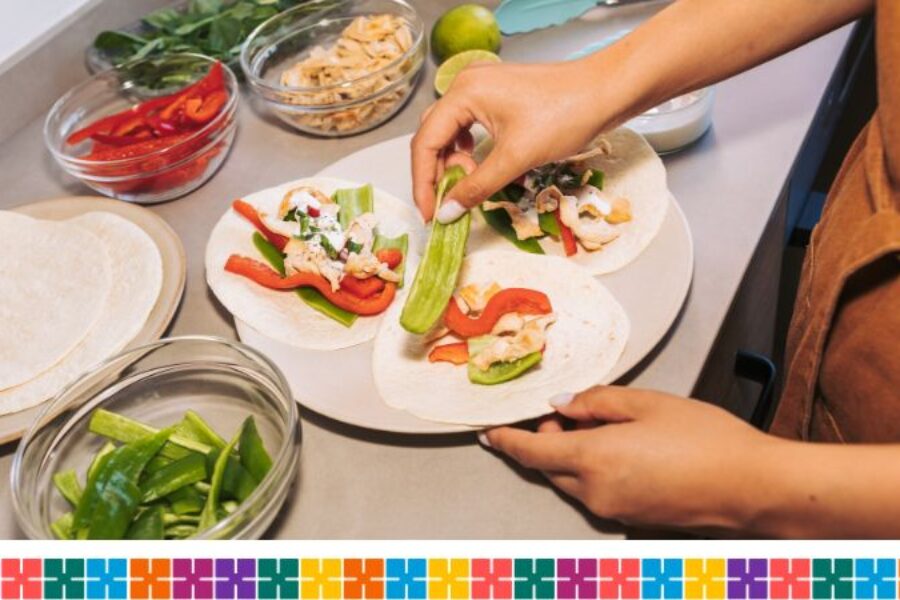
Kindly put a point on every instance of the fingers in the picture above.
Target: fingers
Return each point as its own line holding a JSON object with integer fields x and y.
{"x": 609, "y": 404}
{"x": 569, "y": 484}
{"x": 463, "y": 160}
{"x": 440, "y": 127}
{"x": 550, "y": 424}
{"x": 556, "y": 452}
{"x": 499, "y": 168}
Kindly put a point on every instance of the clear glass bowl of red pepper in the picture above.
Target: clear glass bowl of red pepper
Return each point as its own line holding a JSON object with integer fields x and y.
{"x": 222, "y": 382}
{"x": 145, "y": 145}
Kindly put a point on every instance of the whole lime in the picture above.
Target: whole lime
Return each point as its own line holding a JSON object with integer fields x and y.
{"x": 465, "y": 27}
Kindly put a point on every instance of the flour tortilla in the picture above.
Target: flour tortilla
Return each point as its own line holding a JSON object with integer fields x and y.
{"x": 583, "y": 345}
{"x": 281, "y": 315}
{"x": 136, "y": 276}
{"x": 54, "y": 279}
{"x": 633, "y": 170}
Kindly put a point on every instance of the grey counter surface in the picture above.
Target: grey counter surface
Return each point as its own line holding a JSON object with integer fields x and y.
{"x": 359, "y": 484}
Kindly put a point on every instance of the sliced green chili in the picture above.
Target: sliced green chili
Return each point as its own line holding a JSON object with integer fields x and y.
{"x": 67, "y": 484}
{"x": 353, "y": 203}
{"x": 148, "y": 525}
{"x": 252, "y": 451}
{"x": 174, "y": 476}
{"x": 209, "y": 516}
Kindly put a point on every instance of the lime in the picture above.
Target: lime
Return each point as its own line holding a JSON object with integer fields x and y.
{"x": 448, "y": 71}
{"x": 465, "y": 27}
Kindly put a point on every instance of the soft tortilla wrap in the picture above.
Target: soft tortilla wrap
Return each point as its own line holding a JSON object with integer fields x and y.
{"x": 54, "y": 279}
{"x": 281, "y": 315}
{"x": 632, "y": 170}
{"x": 136, "y": 276}
{"x": 582, "y": 347}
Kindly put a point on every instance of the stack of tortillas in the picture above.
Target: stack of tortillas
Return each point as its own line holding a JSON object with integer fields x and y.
{"x": 72, "y": 294}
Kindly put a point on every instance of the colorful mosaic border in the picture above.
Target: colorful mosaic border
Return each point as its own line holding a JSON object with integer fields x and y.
{"x": 447, "y": 578}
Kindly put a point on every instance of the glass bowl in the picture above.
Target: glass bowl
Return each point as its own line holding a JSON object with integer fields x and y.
{"x": 344, "y": 107}
{"x": 155, "y": 175}
{"x": 223, "y": 381}
{"x": 676, "y": 123}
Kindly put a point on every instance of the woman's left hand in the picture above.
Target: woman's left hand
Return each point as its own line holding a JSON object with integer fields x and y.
{"x": 649, "y": 458}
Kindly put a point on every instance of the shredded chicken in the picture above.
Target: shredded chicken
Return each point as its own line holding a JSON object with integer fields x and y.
{"x": 362, "y": 231}
{"x": 304, "y": 257}
{"x": 532, "y": 337}
{"x": 366, "y": 265}
{"x": 600, "y": 147}
{"x": 547, "y": 200}
{"x": 591, "y": 233}
{"x": 524, "y": 222}
{"x": 473, "y": 297}
{"x": 508, "y": 323}
{"x": 366, "y": 57}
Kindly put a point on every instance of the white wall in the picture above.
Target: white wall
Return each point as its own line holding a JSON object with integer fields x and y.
{"x": 24, "y": 23}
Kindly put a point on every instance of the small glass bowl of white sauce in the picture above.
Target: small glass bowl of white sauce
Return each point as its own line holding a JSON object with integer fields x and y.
{"x": 676, "y": 123}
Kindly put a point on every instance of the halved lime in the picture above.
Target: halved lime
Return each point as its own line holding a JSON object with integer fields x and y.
{"x": 448, "y": 71}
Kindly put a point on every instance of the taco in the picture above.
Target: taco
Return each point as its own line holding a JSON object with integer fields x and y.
{"x": 518, "y": 330}
{"x": 601, "y": 208}
{"x": 313, "y": 263}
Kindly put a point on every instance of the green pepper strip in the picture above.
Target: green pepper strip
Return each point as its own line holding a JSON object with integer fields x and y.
{"x": 148, "y": 525}
{"x": 67, "y": 484}
{"x": 174, "y": 476}
{"x": 353, "y": 203}
{"x": 186, "y": 500}
{"x": 193, "y": 427}
{"x": 104, "y": 450}
{"x": 498, "y": 372}
{"x": 438, "y": 272}
{"x": 122, "y": 429}
{"x": 549, "y": 224}
{"x": 180, "y": 532}
{"x": 401, "y": 243}
{"x": 252, "y": 451}
{"x": 596, "y": 179}
{"x": 62, "y": 527}
{"x": 311, "y": 296}
{"x": 109, "y": 505}
{"x": 238, "y": 482}
{"x": 208, "y": 517}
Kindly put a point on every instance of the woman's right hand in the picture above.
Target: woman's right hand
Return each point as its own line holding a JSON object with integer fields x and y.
{"x": 534, "y": 113}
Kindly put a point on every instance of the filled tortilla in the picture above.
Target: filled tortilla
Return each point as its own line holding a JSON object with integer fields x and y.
{"x": 280, "y": 314}
{"x": 583, "y": 344}
{"x": 617, "y": 219}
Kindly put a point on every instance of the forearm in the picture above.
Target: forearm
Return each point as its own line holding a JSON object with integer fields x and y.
{"x": 804, "y": 490}
{"x": 694, "y": 43}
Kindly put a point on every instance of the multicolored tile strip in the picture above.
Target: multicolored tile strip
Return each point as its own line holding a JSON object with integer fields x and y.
{"x": 447, "y": 578}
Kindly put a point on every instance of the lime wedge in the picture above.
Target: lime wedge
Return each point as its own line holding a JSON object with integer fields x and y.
{"x": 448, "y": 71}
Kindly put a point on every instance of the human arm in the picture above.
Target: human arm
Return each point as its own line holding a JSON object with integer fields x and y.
{"x": 648, "y": 458}
{"x": 543, "y": 112}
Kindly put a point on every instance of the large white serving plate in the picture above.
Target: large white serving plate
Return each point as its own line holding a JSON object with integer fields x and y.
{"x": 174, "y": 268}
{"x": 340, "y": 385}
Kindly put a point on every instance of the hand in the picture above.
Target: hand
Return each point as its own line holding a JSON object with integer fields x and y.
{"x": 645, "y": 457}
{"x": 534, "y": 113}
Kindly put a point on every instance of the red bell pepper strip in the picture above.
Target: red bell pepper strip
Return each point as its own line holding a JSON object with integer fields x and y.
{"x": 392, "y": 257}
{"x": 120, "y": 140}
{"x": 214, "y": 81}
{"x": 518, "y": 300}
{"x": 456, "y": 353}
{"x": 248, "y": 211}
{"x": 566, "y": 235}
{"x": 362, "y": 288}
{"x": 202, "y": 111}
{"x": 266, "y": 277}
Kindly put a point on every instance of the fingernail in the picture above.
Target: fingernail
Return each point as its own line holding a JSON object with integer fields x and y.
{"x": 483, "y": 439}
{"x": 450, "y": 211}
{"x": 561, "y": 399}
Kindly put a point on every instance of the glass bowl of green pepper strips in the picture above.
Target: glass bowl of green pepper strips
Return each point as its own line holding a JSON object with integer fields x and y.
{"x": 142, "y": 144}
{"x": 187, "y": 437}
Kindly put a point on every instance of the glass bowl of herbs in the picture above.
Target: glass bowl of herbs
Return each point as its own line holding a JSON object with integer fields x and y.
{"x": 187, "y": 437}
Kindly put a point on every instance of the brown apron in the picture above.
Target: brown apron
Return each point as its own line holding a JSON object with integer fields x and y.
{"x": 842, "y": 380}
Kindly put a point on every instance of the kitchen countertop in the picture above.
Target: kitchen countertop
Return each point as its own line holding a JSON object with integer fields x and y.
{"x": 355, "y": 483}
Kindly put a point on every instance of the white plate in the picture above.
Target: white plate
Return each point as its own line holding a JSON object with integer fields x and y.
{"x": 13, "y": 425}
{"x": 340, "y": 385}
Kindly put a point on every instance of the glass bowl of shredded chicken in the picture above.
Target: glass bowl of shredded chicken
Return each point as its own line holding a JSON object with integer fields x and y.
{"x": 336, "y": 67}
